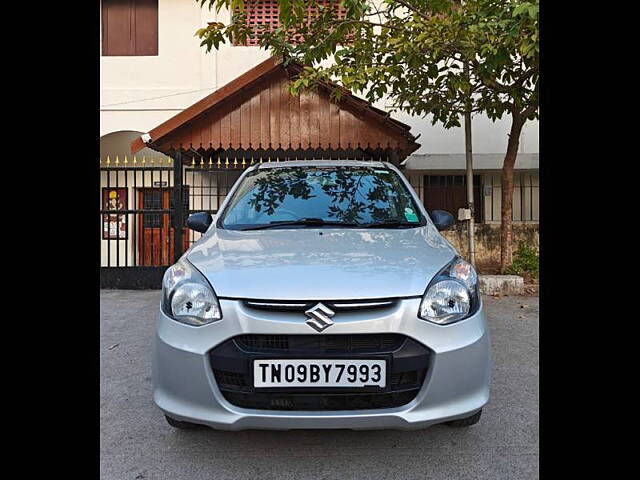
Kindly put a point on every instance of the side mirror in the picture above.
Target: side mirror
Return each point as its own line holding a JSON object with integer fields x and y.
{"x": 442, "y": 219}
{"x": 199, "y": 222}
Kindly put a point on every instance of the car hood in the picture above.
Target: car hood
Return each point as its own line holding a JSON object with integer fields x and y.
{"x": 321, "y": 264}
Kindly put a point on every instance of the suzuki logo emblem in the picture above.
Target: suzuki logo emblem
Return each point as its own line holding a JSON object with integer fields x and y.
{"x": 319, "y": 317}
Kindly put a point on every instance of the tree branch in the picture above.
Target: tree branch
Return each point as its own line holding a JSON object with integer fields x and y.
{"x": 411, "y": 8}
{"x": 524, "y": 77}
{"x": 494, "y": 84}
{"x": 533, "y": 106}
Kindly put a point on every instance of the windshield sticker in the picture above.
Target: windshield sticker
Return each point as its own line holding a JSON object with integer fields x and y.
{"x": 410, "y": 215}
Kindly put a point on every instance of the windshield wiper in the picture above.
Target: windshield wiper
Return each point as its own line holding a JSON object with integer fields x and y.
{"x": 301, "y": 221}
{"x": 390, "y": 223}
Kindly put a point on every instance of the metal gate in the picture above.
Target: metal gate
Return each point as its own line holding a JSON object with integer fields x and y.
{"x": 144, "y": 204}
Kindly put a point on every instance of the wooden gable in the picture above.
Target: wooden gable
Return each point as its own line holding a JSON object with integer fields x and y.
{"x": 256, "y": 111}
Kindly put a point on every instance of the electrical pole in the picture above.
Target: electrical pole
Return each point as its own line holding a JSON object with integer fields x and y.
{"x": 468, "y": 148}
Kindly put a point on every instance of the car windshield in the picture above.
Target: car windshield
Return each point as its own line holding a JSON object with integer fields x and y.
{"x": 347, "y": 196}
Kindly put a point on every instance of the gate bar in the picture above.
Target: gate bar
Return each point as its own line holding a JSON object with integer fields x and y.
{"x": 178, "y": 209}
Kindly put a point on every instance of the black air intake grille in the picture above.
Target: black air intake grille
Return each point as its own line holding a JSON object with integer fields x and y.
{"x": 407, "y": 367}
{"x": 399, "y": 381}
{"x": 321, "y": 344}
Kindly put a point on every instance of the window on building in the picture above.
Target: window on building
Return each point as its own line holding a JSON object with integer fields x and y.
{"x": 129, "y": 27}
{"x": 449, "y": 192}
{"x": 264, "y": 15}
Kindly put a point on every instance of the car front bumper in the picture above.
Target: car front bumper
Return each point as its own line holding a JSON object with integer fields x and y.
{"x": 456, "y": 385}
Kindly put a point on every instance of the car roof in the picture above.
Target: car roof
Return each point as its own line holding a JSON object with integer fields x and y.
{"x": 323, "y": 163}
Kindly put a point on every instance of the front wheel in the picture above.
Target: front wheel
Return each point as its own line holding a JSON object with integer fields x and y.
{"x": 466, "y": 422}
{"x": 182, "y": 425}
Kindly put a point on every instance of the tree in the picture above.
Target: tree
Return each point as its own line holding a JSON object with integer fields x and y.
{"x": 412, "y": 52}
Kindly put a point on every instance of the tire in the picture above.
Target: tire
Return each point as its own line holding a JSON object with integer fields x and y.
{"x": 466, "y": 422}
{"x": 182, "y": 425}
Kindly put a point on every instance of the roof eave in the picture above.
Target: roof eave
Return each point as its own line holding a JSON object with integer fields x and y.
{"x": 189, "y": 113}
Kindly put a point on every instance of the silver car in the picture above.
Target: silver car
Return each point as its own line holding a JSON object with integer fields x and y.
{"x": 321, "y": 295}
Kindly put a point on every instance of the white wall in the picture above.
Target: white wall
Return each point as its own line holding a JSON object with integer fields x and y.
{"x": 487, "y": 136}
{"x": 182, "y": 73}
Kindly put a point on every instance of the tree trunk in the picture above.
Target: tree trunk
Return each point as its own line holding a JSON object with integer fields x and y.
{"x": 506, "y": 232}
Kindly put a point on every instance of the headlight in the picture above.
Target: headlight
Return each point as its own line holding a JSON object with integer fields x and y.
{"x": 452, "y": 295}
{"x": 187, "y": 296}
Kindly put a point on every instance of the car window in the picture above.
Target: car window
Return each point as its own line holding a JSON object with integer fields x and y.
{"x": 350, "y": 195}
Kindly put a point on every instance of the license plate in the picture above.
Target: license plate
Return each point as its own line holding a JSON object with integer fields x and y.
{"x": 319, "y": 373}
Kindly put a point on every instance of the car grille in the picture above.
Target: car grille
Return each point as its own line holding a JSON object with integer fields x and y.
{"x": 407, "y": 365}
{"x": 321, "y": 344}
{"x": 335, "y": 305}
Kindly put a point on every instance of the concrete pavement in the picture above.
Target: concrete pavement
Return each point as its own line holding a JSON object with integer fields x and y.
{"x": 136, "y": 443}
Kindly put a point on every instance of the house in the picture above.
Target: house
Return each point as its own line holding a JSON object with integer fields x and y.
{"x": 225, "y": 110}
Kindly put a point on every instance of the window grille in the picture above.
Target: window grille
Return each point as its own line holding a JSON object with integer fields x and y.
{"x": 264, "y": 15}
